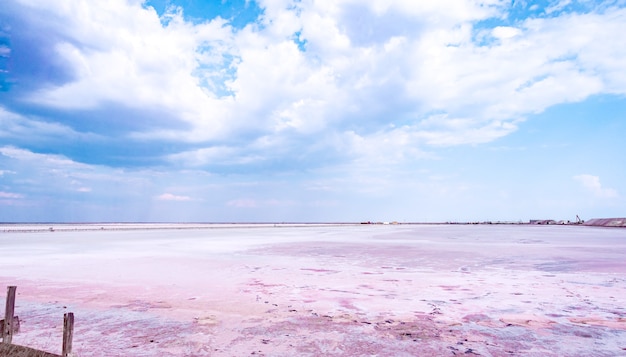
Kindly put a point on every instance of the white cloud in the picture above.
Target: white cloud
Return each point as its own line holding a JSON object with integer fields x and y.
{"x": 47, "y": 160}
{"x": 50, "y": 175}
{"x": 593, "y": 185}
{"x": 121, "y": 53}
{"x": 172, "y": 197}
{"x": 4, "y": 51}
{"x": 549, "y": 61}
{"x": 9, "y": 195}
{"x": 385, "y": 147}
{"x": 17, "y": 126}
{"x": 560, "y": 5}
{"x": 505, "y": 32}
{"x": 217, "y": 155}
{"x": 396, "y": 62}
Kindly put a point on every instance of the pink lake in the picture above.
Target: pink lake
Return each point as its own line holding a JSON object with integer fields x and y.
{"x": 319, "y": 290}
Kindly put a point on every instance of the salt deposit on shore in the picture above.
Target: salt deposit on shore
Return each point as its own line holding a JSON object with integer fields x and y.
{"x": 347, "y": 290}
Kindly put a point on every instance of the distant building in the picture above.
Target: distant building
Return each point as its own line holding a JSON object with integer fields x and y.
{"x": 542, "y": 221}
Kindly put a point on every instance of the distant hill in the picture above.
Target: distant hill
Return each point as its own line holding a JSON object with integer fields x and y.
{"x": 606, "y": 222}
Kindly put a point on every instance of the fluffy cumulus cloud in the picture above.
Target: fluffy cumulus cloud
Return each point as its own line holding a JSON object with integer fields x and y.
{"x": 311, "y": 67}
{"x": 305, "y": 85}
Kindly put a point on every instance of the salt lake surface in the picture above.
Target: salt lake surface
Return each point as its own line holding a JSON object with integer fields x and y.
{"x": 313, "y": 290}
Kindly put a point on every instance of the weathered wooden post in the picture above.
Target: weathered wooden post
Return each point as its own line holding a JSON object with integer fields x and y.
{"x": 68, "y": 334}
{"x": 11, "y": 325}
{"x": 7, "y": 331}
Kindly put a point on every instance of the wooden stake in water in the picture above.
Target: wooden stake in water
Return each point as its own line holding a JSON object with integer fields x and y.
{"x": 7, "y": 331}
{"x": 68, "y": 333}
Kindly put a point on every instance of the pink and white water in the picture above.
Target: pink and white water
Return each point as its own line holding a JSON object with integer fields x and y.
{"x": 320, "y": 290}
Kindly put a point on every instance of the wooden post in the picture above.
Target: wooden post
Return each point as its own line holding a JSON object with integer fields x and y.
{"x": 7, "y": 331}
{"x": 68, "y": 333}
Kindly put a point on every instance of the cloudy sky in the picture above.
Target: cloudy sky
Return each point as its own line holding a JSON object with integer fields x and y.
{"x": 312, "y": 110}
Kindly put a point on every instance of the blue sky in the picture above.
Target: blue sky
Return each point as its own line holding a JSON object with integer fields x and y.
{"x": 279, "y": 110}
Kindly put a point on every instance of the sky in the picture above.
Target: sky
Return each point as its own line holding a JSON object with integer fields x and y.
{"x": 312, "y": 110}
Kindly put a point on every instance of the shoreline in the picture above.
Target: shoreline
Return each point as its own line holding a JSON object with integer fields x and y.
{"x": 123, "y": 226}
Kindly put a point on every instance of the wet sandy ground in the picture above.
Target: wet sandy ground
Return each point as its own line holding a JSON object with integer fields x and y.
{"x": 324, "y": 290}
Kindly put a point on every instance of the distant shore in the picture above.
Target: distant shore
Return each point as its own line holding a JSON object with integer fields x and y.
{"x": 18, "y": 227}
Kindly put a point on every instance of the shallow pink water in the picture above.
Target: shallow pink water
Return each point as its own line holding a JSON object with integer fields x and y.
{"x": 324, "y": 290}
